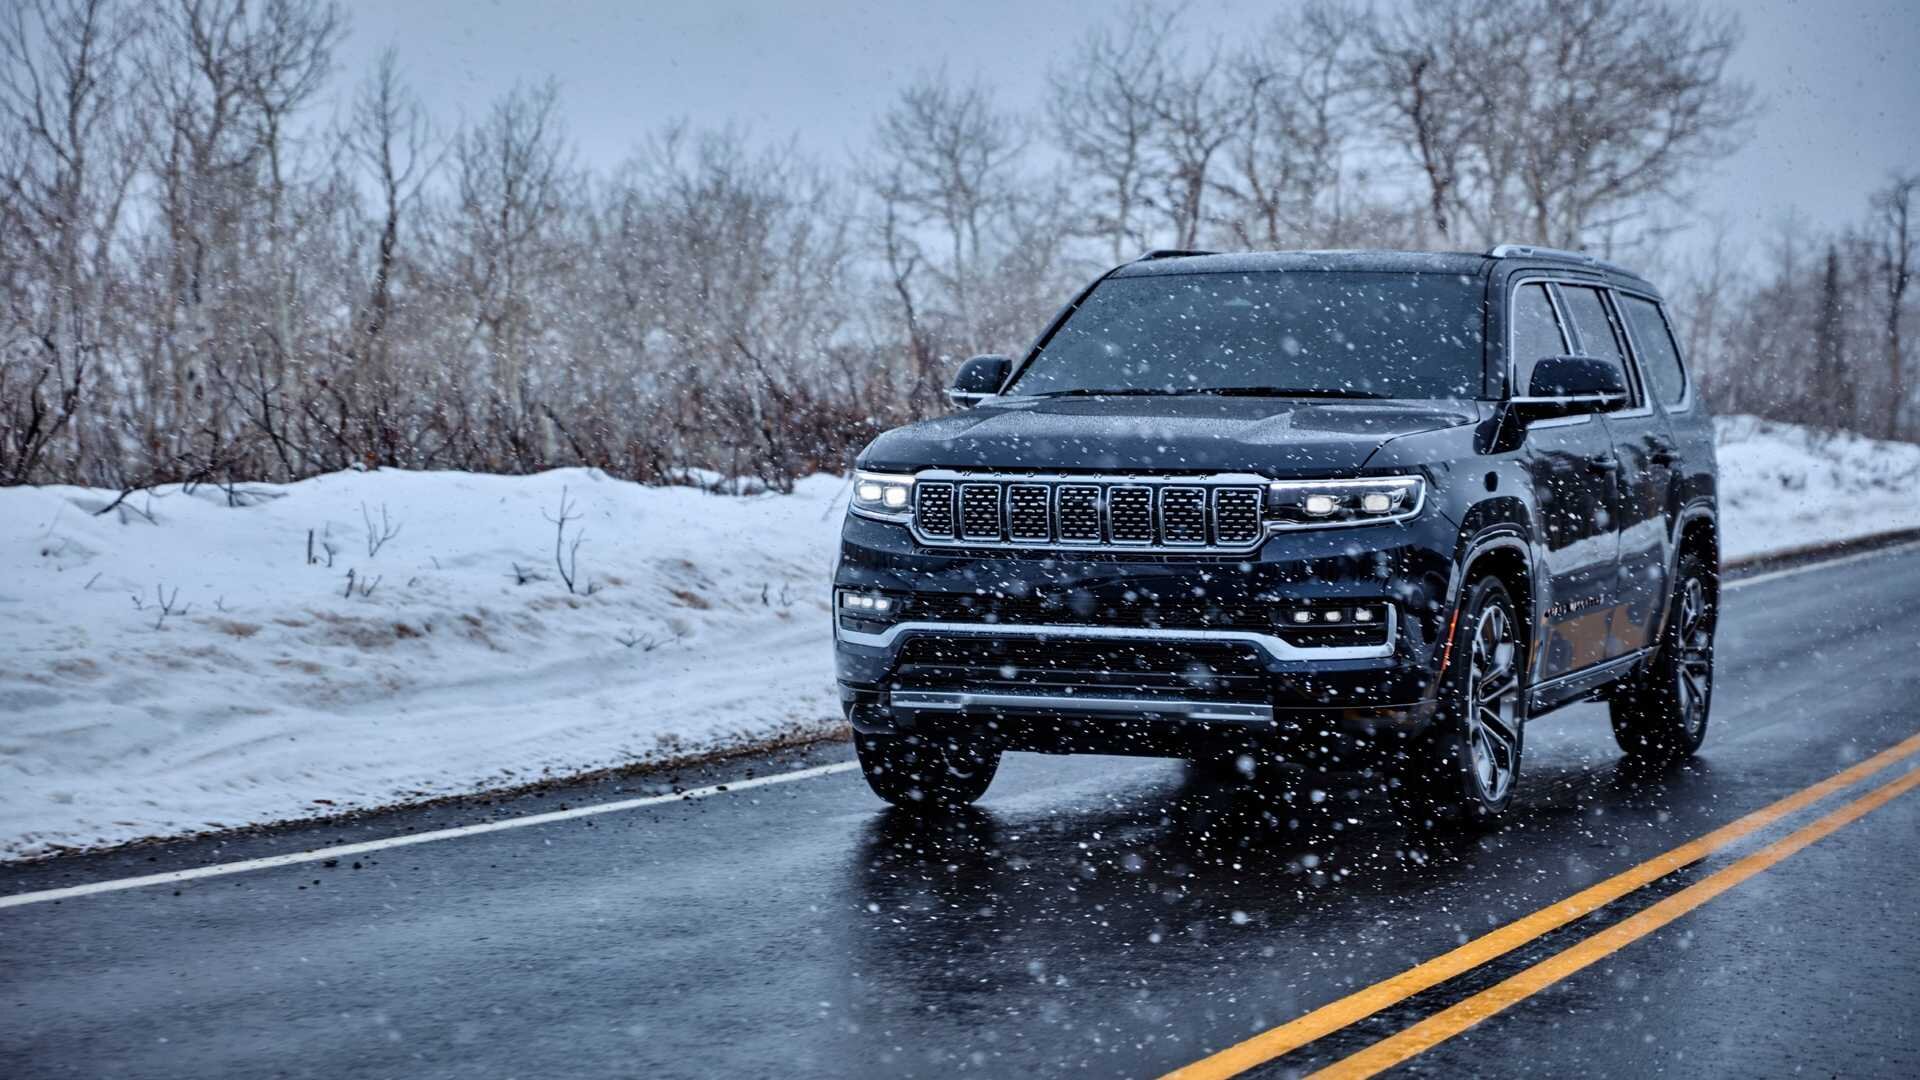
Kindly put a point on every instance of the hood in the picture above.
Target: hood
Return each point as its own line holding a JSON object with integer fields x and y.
{"x": 1270, "y": 436}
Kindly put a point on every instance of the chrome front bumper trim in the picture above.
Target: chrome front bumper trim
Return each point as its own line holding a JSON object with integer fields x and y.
{"x": 1227, "y": 711}
{"x": 1271, "y": 644}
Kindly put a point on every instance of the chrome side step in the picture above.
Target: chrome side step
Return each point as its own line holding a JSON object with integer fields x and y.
{"x": 960, "y": 702}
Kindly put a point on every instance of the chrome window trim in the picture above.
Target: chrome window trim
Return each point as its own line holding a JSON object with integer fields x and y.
{"x": 1272, "y": 644}
{"x": 960, "y": 701}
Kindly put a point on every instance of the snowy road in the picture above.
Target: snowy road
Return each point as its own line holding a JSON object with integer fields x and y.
{"x": 1097, "y": 916}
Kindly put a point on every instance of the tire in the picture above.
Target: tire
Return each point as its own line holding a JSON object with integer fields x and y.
{"x": 923, "y": 772}
{"x": 1463, "y": 770}
{"x": 1662, "y": 715}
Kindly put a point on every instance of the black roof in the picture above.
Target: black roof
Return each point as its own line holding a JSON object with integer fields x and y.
{"x": 1229, "y": 262}
{"x": 1428, "y": 262}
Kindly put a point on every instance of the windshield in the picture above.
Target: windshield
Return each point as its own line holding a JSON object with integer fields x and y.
{"x": 1287, "y": 333}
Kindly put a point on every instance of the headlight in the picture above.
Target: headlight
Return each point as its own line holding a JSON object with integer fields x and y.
{"x": 1314, "y": 504}
{"x": 882, "y": 495}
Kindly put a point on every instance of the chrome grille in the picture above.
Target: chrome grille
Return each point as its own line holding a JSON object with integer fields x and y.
{"x": 1183, "y": 515}
{"x": 1236, "y": 516}
{"x": 980, "y": 512}
{"x": 933, "y": 509}
{"x": 1027, "y": 517}
{"x": 1194, "y": 515}
{"x": 1078, "y": 517}
{"x": 1130, "y": 515}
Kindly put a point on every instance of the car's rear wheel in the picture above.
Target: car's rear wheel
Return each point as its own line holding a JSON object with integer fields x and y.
{"x": 927, "y": 772}
{"x": 1662, "y": 715}
{"x": 1464, "y": 769}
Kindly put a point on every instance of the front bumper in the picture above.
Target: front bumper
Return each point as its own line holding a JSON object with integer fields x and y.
{"x": 1241, "y": 682}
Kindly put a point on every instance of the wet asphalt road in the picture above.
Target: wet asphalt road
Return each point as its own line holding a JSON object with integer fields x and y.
{"x": 1095, "y": 916}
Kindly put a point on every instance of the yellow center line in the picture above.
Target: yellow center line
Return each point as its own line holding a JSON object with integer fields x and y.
{"x": 1452, "y": 1021}
{"x": 1361, "y": 1004}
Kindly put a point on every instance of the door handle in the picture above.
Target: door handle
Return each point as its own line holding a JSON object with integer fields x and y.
{"x": 1664, "y": 455}
{"x": 1602, "y": 462}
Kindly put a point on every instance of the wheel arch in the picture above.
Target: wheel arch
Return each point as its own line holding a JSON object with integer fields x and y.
{"x": 1697, "y": 532}
{"x": 1503, "y": 548}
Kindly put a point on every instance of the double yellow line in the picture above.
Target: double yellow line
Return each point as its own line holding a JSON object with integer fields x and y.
{"x": 1451, "y": 1021}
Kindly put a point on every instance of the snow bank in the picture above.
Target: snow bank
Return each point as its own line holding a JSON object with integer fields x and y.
{"x": 461, "y": 661}
{"x": 1783, "y": 486}
{"x": 272, "y": 693}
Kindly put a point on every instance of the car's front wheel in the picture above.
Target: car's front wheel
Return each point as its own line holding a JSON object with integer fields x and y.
{"x": 1463, "y": 770}
{"x": 926, "y": 772}
{"x": 1662, "y": 716}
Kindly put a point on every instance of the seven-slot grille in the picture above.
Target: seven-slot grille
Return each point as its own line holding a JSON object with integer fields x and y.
{"x": 1075, "y": 513}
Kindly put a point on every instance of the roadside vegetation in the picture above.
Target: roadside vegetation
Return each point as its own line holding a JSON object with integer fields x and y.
{"x": 210, "y": 278}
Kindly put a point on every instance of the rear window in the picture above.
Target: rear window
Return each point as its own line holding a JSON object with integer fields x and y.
{"x": 1653, "y": 341}
{"x": 1370, "y": 334}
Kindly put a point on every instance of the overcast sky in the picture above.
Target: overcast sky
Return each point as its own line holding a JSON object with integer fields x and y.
{"x": 1841, "y": 79}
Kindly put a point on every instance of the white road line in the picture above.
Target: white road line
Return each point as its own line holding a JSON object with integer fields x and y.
{"x": 366, "y": 847}
{"x": 1821, "y": 564}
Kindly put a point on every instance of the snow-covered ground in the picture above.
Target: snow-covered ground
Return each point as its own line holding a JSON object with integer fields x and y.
{"x": 1784, "y": 487}
{"x": 460, "y": 661}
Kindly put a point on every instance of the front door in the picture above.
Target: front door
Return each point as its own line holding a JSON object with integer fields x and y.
{"x": 1576, "y": 488}
{"x": 1645, "y": 472}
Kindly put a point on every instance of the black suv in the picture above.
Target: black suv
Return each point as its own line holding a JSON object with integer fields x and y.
{"x": 1353, "y": 511}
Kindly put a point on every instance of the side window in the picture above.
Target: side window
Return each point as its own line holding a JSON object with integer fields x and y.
{"x": 1588, "y": 313}
{"x": 1536, "y": 333}
{"x": 1659, "y": 357}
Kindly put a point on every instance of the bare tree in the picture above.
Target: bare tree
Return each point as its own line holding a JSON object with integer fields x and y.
{"x": 1419, "y": 68}
{"x": 512, "y": 182}
{"x": 1198, "y": 114}
{"x": 1894, "y": 205}
{"x": 69, "y": 156}
{"x": 223, "y": 79}
{"x": 1630, "y": 98}
{"x": 903, "y": 259}
{"x": 1104, "y": 110}
{"x": 1297, "y": 88}
{"x": 947, "y": 152}
{"x": 392, "y": 141}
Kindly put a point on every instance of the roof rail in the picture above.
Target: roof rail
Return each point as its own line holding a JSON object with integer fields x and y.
{"x": 1170, "y": 253}
{"x": 1535, "y": 251}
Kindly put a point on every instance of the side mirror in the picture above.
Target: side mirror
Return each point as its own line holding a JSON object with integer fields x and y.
{"x": 980, "y": 377}
{"x": 1571, "y": 386}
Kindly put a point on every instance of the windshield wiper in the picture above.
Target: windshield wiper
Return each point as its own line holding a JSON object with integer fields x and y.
{"x": 1214, "y": 391}
{"x": 1279, "y": 391}
{"x": 1085, "y": 391}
